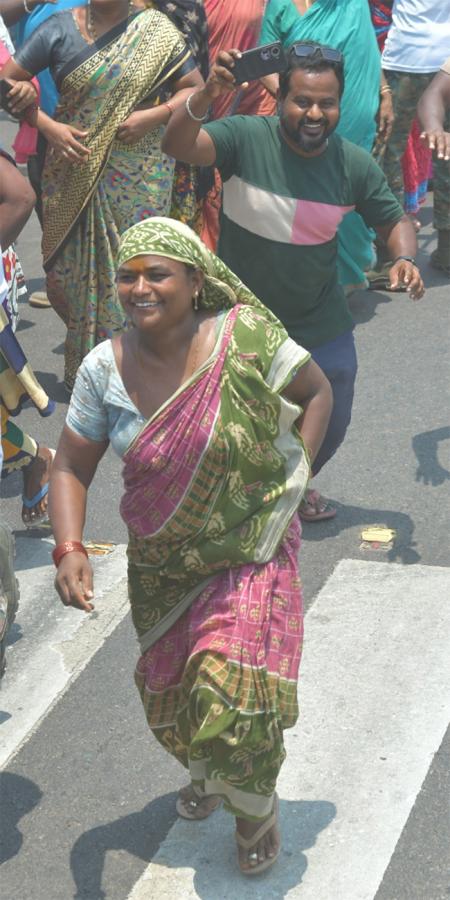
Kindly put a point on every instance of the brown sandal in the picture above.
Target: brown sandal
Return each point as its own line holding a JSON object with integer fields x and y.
{"x": 315, "y": 508}
{"x": 250, "y": 843}
{"x": 190, "y": 806}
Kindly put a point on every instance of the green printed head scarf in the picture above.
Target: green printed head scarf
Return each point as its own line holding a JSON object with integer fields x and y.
{"x": 168, "y": 237}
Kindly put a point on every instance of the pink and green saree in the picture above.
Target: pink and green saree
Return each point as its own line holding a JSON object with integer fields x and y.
{"x": 212, "y": 485}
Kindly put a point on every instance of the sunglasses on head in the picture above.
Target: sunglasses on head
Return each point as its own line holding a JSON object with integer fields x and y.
{"x": 303, "y": 50}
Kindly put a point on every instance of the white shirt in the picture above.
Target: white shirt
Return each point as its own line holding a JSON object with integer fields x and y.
{"x": 419, "y": 37}
{"x": 5, "y": 37}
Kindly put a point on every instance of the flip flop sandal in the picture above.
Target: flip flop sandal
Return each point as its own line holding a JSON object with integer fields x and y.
{"x": 39, "y": 300}
{"x": 322, "y": 507}
{"x": 29, "y": 503}
{"x": 197, "y": 808}
{"x": 249, "y": 843}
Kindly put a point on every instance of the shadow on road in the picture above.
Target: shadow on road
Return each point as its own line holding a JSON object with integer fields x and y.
{"x": 425, "y": 446}
{"x": 140, "y": 834}
{"x": 363, "y": 305}
{"x": 55, "y": 388}
{"x": 18, "y": 796}
{"x": 350, "y": 516}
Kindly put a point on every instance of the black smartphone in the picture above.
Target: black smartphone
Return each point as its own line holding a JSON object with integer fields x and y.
{"x": 5, "y": 87}
{"x": 264, "y": 60}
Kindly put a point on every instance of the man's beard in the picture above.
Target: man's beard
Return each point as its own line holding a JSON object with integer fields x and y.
{"x": 306, "y": 142}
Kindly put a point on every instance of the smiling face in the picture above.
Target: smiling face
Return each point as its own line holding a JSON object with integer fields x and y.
{"x": 310, "y": 111}
{"x": 157, "y": 292}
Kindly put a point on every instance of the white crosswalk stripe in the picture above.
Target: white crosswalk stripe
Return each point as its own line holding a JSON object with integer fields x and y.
{"x": 375, "y": 706}
{"x": 54, "y": 644}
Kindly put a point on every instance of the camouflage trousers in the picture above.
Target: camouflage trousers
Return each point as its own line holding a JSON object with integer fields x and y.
{"x": 406, "y": 89}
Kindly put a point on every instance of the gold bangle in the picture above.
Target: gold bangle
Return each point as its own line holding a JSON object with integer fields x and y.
{"x": 385, "y": 89}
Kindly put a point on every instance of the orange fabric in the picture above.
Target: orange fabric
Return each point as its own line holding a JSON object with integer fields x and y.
{"x": 233, "y": 24}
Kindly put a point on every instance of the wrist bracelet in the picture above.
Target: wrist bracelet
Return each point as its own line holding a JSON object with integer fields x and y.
{"x": 190, "y": 113}
{"x": 26, "y": 7}
{"x": 407, "y": 258}
{"x": 385, "y": 89}
{"x": 67, "y": 547}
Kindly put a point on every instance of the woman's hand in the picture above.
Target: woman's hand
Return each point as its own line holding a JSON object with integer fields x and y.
{"x": 22, "y": 95}
{"x": 74, "y": 581}
{"x": 64, "y": 140}
{"x": 139, "y": 123}
{"x": 386, "y": 117}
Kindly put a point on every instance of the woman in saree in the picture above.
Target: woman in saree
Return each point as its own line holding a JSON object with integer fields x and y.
{"x": 345, "y": 25}
{"x": 104, "y": 169}
{"x": 217, "y": 415}
{"x": 190, "y": 183}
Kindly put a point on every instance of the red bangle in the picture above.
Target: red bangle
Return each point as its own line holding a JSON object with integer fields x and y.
{"x": 67, "y": 547}
{"x": 169, "y": 106}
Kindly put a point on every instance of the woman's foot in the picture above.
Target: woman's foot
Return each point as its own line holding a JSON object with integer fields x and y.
{"x": 35, "y": 488}
{"x": 191, "y": 806}
{"x": 315, "y": 508}
{"x": 258, "y": 844}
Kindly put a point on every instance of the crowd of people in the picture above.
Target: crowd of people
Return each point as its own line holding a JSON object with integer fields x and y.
{"x": 200, "y": 239}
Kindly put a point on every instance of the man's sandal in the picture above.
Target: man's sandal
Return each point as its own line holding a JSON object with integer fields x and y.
{"x": 252, "y": 843}
{"x": 190, "y": 806}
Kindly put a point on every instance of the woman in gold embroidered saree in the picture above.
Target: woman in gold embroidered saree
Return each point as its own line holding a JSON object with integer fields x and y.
{"x": 104, "y": 168}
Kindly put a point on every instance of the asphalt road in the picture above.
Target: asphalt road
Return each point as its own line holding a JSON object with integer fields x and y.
{"x": 89, "y": 797}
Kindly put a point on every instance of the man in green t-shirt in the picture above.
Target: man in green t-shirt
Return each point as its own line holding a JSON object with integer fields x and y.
{"x": 288, "y": 180}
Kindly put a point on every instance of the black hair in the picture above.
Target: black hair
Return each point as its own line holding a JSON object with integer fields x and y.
{"x": 313, "y": 63}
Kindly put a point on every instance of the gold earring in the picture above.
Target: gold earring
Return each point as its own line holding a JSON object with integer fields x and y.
{"x": 196, "y": 301}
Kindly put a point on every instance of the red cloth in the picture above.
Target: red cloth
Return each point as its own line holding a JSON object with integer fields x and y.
{"x": 26, "y": 139}
{"x": 233, "y": 24}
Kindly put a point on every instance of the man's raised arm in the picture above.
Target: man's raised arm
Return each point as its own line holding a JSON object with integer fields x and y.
{"x": 184, "y": 137}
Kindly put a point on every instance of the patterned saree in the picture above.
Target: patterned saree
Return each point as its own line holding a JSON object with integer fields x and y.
{"x": 212, "y": 485}
{"x": 87, "y": 206}
{"x": 18, "y": 383}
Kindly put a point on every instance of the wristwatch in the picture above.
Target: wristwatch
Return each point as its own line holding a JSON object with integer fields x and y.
{"x": 408, "y": 259}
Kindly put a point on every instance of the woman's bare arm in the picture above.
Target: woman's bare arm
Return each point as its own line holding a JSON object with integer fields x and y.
{"x": 17, "y": 200}
{"x": 312, "y": 391}
{"x": 73, "y": 469}
{"x": 143, "y": 120}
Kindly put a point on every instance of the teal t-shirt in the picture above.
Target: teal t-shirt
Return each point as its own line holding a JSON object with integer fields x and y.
{"x": 280, "y": 215}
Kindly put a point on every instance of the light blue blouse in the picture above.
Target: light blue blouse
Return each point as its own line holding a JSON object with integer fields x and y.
{"x": 100, "y": 408}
